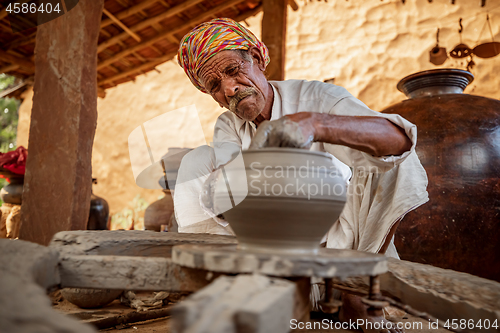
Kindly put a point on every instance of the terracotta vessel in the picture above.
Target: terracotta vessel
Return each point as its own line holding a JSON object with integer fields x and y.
{"x": 459, "y": 147}
{"x": 285, "y": 200}
{"x": 99, "y": 212}
{"x": 159, "y": 213}
{"x": 13, "y": 192}
{"x": 90, "y": 298}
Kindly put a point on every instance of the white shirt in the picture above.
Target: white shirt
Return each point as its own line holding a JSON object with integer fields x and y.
{"x": 382, "y": 189}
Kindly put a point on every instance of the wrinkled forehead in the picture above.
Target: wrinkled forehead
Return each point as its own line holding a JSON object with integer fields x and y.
{"x": 218, "y": 63}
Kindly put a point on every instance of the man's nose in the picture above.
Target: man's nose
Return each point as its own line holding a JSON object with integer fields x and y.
{"x": 230, "y": 87}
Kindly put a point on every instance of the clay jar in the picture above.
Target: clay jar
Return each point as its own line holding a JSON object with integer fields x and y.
{"x": 459, "y": 147}
{"x": 13, "y": 192}
{"x": 280, "y": 199}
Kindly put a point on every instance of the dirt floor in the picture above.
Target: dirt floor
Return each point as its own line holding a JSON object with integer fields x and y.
{"x": 162, "y": 324}
{"x": 116, "y": 310}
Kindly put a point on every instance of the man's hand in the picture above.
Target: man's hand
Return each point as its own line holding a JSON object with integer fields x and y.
{"x": 294, "y": 131}
{"x": 373, "y": 135}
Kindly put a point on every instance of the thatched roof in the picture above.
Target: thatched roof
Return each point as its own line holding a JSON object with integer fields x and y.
{"x": 135, "y": 37}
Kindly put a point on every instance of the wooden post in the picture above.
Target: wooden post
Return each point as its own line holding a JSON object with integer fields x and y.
{"x": 274, "y": 36}
{"x": 58, "y": 173}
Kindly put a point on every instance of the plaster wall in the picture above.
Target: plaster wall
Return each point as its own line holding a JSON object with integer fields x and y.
{"x": 367, "y": 46}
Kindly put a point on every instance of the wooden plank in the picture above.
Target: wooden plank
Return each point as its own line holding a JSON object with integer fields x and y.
{"x": 129, "y": 243}
{"x": 4, "y": 56}
{"x": 293, "y": 5}
{"x": 9, "y": 68}
{"x": 163, "y": 34}
{"x": 249, "y": 13}
{"x": 121, "y": 25}
{"x": 21, "y": 41}
{"x": 245, "y": 303}
{"x": 137, "y": 69}
{"x": 130, "y": 273}
{"x": 146, "y": 23}
{"x": 128, "y": 12}
{"x": 274, "y": 36}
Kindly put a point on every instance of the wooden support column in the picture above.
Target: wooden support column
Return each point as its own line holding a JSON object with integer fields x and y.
{"x": 274, "y": 36}
{"x": 58, "y": 173}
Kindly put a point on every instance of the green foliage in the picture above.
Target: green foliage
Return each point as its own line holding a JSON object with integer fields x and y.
{"x": 8, "y": 121}
{"x": 8, "y": 117}
{"x": 5, "y": 81}
{"x": 135, "y": 214}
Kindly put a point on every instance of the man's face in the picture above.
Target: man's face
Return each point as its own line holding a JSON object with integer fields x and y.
{"x": 236, "y": 83}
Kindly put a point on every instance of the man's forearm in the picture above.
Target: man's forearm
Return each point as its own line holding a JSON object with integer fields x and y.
{"x": 373, "y": 135}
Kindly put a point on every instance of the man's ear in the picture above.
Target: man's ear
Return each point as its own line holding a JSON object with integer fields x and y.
{"x": 254, "y": 52}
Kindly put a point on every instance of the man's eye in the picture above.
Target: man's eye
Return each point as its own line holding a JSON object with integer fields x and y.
{"x": 232, "y": 71}
{"x": 214, "y": 87}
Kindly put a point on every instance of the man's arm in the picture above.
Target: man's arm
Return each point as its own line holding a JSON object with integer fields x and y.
{"x": 373, "y": 135}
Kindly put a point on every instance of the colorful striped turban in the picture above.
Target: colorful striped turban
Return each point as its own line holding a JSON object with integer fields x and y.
{"x": 208, "y": 38}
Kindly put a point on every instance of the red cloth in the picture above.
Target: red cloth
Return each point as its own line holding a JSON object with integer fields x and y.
{"x": 14, "y": 161}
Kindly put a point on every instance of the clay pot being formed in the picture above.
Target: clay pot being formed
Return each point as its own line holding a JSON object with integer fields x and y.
{"x": 459, "y": 147}
{"x": 285, "y": 200}
{"x": 90, "y": 298}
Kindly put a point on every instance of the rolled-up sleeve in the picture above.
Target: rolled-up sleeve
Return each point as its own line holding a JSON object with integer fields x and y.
{"x": 350, "y": 106}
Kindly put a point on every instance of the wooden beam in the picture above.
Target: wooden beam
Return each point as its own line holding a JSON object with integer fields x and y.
{"x": 249, "y": 13}
{"x": 165, "y": 33}
{"x": 9, "y": 68}
{"x": 65, "y": 84}
{"x": 21, "y": 41}
{"x": 128, "y": 12}
{"x": 121, "y": 25}
{"x": 274, "y": 36}
{"x": 4, "y": 13}
{"x": 4, "y": 56}
{"x": 143, "y": 24}
{"x": 144, "y": 66}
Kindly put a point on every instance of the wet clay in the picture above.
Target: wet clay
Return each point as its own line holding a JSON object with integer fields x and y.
{"x": 282, "y": 132}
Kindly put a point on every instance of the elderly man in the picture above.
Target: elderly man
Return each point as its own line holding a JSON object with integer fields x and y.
{"x": 225, "y": 60}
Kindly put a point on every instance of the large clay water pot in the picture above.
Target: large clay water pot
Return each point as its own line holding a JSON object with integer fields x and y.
{"x": 459, "y": 147}
{"x": 285, "y": 200}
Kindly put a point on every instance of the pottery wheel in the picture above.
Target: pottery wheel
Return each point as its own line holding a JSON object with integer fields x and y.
{"x": 327, "y": 263}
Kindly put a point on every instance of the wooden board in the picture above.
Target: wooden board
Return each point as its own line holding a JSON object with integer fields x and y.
{"x": 129, "y": 243}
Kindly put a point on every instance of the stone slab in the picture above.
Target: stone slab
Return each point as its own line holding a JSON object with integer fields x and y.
{"x": 129, "y": 243}
{"x": 130, "y": 273}
{"x": 27, "y": 270}
{"x": 245, "y": 303}
{"x": 327, "y": 263}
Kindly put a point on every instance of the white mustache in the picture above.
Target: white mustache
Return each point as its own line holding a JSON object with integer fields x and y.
{"x": 239, "y": 96}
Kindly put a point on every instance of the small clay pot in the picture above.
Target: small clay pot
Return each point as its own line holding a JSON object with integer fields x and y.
{"x": 90, "y": 298}
{"x": 13, "y": 192}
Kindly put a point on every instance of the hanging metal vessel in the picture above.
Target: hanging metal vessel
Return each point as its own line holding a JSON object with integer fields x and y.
{"x": 487, "y": 50}
{"x": 460, "y": 51}
{"x": 459, "y": 147}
